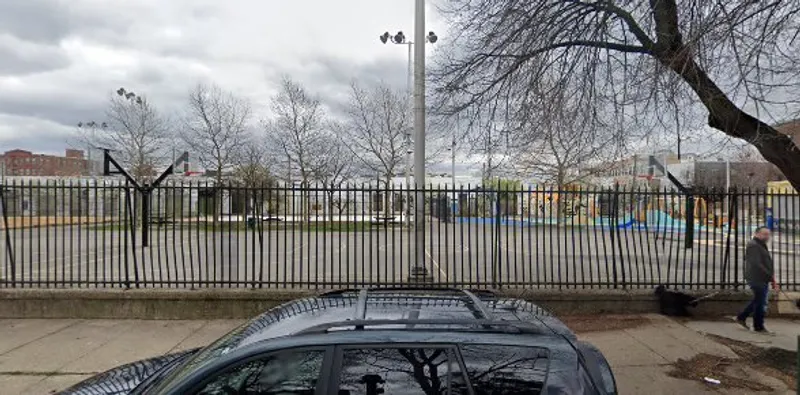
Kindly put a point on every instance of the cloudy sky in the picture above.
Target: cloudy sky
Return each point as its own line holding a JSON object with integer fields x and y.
{"x": 60, "y": 60}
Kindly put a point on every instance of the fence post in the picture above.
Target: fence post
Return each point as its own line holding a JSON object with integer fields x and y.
{"x": 128, "y": 216}
{"x": 732, "y": 208}
{"x": 7, "y": 231}
{"x": 145, "y": 215}
{"x": 497, "y": 263}
{"x": 689, "y": 239}
{"x": 615, "y": 240}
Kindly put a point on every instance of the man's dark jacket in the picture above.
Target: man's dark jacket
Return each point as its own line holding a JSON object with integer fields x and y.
{"x": 758, "y": 263}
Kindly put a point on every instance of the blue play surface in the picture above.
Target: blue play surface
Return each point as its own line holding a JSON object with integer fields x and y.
{"x": 657, "y": 220}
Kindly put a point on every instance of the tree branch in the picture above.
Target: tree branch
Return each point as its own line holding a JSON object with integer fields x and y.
{"x": 573, "y": 43}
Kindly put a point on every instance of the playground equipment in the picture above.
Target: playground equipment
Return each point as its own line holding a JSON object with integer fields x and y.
{"x": 782, "y": 207}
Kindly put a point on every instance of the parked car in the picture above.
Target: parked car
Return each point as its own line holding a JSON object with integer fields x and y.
{"x": 379, "y": 341}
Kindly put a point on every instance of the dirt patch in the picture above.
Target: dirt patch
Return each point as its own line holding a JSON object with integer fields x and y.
{"x": 774, "y": 362}
{"x": 733, "y": 372}
{"x": 713, "y": 366}
{"x": 599, "y": 323}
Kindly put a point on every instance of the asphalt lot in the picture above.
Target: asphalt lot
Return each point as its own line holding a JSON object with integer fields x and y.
{"x": 459, "y": 254}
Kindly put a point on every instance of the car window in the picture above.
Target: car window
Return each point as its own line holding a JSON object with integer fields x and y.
{"x": 290, "y": 372}
{"x": 505, "y": 370}
{"x": 413, "y": 370}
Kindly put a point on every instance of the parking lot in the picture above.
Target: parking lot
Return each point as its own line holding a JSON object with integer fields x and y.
{"x": 305, "y": 256}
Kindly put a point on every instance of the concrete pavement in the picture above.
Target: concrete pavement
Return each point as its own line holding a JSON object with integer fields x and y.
{"x": 786, "y": 333}
{"x": 642, "y": 357}
{"x": 43, "y": 356}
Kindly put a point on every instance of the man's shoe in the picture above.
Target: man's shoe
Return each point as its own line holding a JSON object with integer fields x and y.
{"x": 742, "y": 323}
{"x": 764, "y": 331}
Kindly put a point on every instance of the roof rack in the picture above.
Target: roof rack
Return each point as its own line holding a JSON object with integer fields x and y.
{"x": 521, "y": 327}
{"x": 473, "y": 301}
{"x": 340, "y": 292}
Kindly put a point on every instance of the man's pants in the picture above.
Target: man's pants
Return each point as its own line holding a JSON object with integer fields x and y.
{"x": 757, "y": 306}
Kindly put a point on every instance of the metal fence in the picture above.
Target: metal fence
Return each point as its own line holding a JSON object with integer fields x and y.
{"x": 104, "y": 233}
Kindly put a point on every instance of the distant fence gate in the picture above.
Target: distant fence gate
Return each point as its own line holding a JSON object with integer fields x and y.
{"x": 90, "y": 234}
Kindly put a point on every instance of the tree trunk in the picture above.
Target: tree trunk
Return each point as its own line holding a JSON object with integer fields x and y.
{"x": 388, "y": 210}
{"x": 724, "y": 115}
{"x": 330, "y": 204}
{"x": 560, "y": 203}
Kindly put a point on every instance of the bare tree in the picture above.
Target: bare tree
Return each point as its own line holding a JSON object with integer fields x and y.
{"x": 559, "y": 142}
{"x": 620, "y": 56}
{"x": 136, "y": 132}
{"x": 297, "y": 130}
{"x": 376, "y": 129}
{"x": 252, "y": 170}
{"x": 252, "y": 167}
{"x": 334, "y": 167}
{"x": 215, "y": 127}
{"x": 298, "y": 133}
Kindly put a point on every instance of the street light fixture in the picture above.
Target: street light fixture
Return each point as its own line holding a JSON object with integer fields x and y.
{"x": 91, "y": 141}
{"x": 400, "y": 39}
{"x": 130, "y": 95}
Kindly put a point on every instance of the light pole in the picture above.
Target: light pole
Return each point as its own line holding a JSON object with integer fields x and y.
{"x": 92, "y": 127}
{"x": 400, "y": 39}
{"x": 419, "y": 272}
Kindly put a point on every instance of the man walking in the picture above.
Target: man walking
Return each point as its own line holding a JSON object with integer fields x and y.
{"x": 759, "y": 273}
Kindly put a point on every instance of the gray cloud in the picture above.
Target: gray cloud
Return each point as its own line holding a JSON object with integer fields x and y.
{"x": 19, "y": 57}
{"x": 60, "y": 61}
{"x": 35, "y": 20}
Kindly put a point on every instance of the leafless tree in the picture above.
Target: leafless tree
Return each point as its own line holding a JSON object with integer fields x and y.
{"x": 564, "y": 154}
{"x": 252, "y": 167}
{"x": 375, "y": 129}
{"x": 252, "y": 170}
{"x": 215, "y": 128}
{"x": 733, "y": 58}
{"x": 560, "y": 142}
{"x": 750, "y": 170}
{"x": 136, "y": 132}
{"x": 297, "y": 130}
{"x": 334, "y": 167}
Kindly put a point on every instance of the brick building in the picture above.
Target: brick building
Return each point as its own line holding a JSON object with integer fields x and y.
{"x": 25, "y": 163}
{"x": 791, "y": 128}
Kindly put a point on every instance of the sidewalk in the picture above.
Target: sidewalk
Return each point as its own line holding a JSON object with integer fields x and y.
{"x": 44, "y": 356}
{"x": 645, "y": 359}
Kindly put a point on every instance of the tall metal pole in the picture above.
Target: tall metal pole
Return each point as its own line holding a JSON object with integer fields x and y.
{"x": 410, "y": 90}
{"x": 418, "y": 270}
{"x": 728, "y": 188}
{"x": 453, "y": 161}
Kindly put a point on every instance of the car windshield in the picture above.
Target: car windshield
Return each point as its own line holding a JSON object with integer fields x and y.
{"x": 218, "y": 348}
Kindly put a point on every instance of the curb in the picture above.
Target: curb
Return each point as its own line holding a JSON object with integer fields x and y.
{"x": 173, "y": 304}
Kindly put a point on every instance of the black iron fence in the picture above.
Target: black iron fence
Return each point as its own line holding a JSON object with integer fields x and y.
{"x": 102, "y": 233}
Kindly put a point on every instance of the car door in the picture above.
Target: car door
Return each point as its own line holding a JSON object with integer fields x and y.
{"x": 397, "y": 369}
{"x": 296, "y": 371}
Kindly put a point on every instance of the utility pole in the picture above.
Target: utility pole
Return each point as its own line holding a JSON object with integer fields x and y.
{"x": 453, "y": 161}
{"x": 410, "y": 91}
{"x": 419, "y": 271}
{"x": 728, "y": 188}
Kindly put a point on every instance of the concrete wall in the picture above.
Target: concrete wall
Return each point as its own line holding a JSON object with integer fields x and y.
{"x": 222, "y": 304}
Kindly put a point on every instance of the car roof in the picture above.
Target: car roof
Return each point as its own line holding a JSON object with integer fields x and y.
{"x": 392, "y": 316}
{"x": 409, "y": 309}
